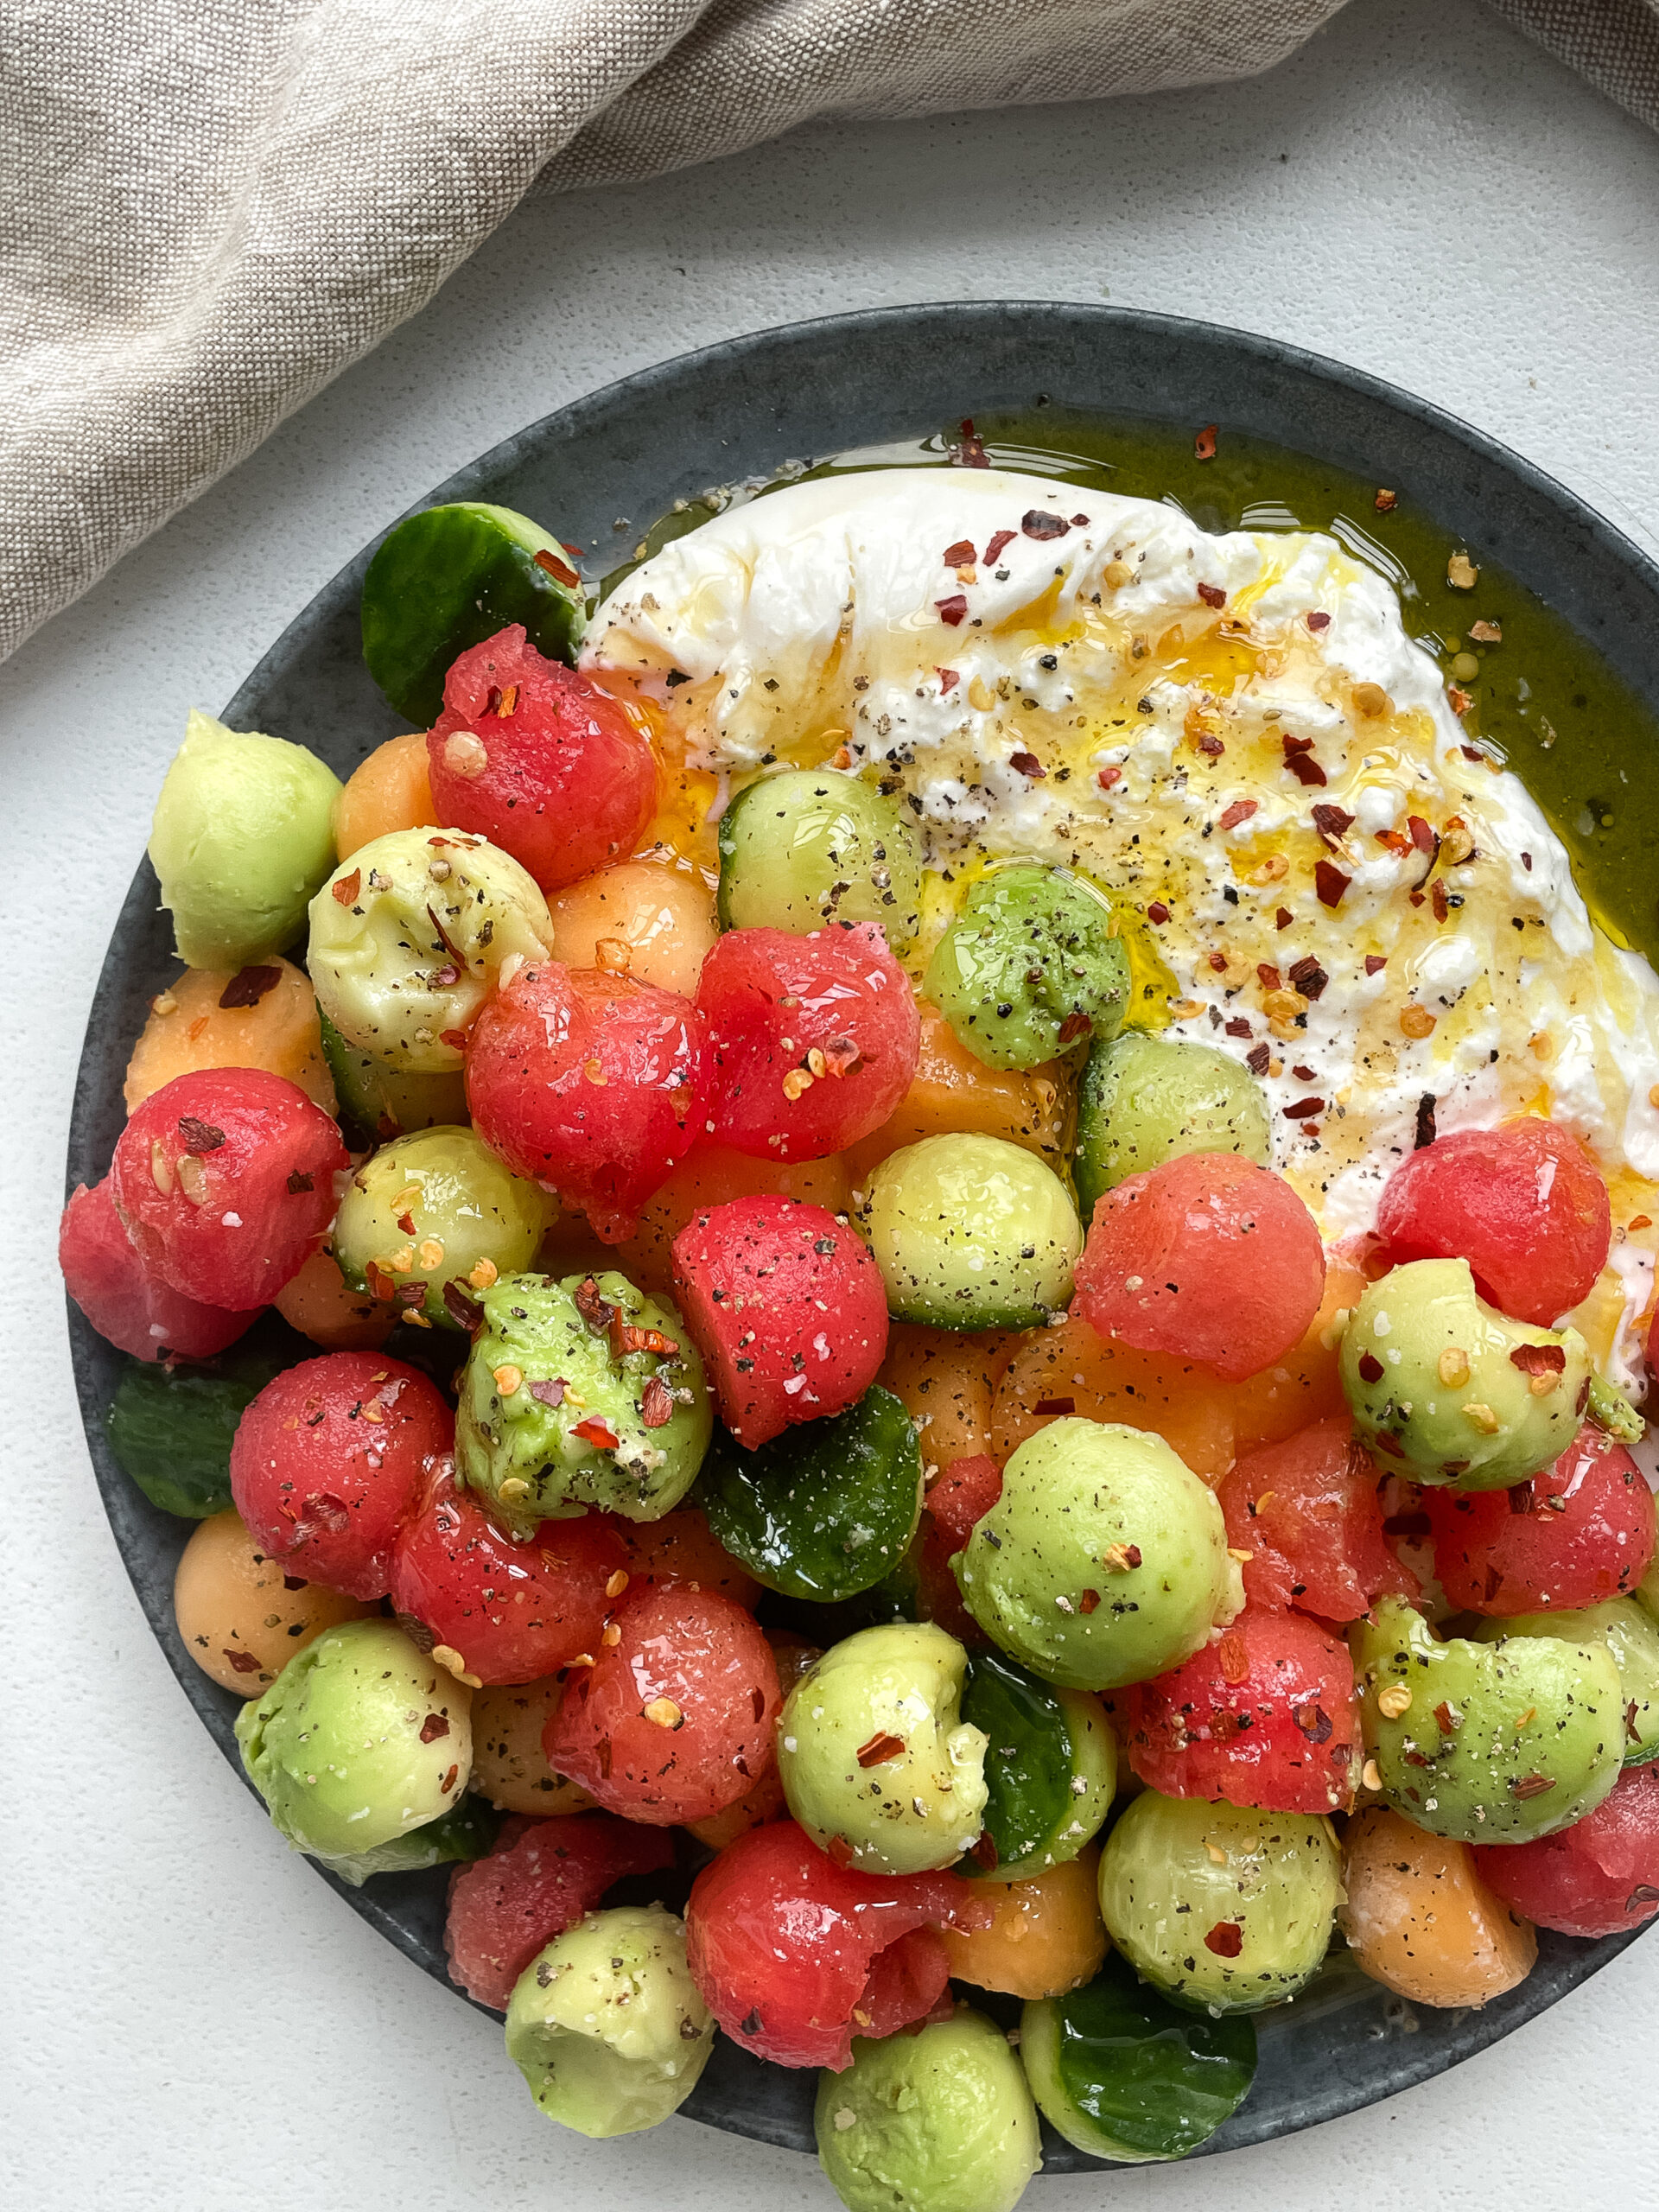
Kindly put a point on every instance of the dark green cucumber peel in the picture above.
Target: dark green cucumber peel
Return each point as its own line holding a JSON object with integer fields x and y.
{"x": 824, "y": 1511}
{"x": 172, "y": 1432}
{"x": 1028, "y": 1766}
{"x": 449, "y": 577}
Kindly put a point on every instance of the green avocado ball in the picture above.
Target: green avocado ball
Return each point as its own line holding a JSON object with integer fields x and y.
{"x": 1487, "y": 1742}
{"x": 872, "y": 1748}
{"x": 1103, "y": 1562}
{"x": 407, "y": 936}
{"x": 577, "y": 1394}
{"x": 1445, "y": 1387}
{"x": 1144, "y": 1100}
{"x": 606, "y": 2025}
{"x": 361, "y": 1739}
{"x": 242, "y": 838}
{"x": 435, "y": 1209}
{"x": 1031, "y": 965}
{"x": 1630, "y": 1633}
{"x": 809, "y": 847}
{"x": 1224, "y": 1910}
{"x": 938, "y": 2121}
{"x": 972, "y": 1232}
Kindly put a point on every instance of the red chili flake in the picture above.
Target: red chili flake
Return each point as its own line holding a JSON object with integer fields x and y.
{"x": 381, "y": 1284}
{"x": 503, "y": 703}
{"x": 1319, "y": 619}
{"x": 347, "y": 889}
{"x": 444, "y": 939}
{"x": 561, "y": 571}
{"x": 1314, "y": 1722}
{"x": 627, "y": 1337}
{"x": 1304, "y": 1109}
{"x": 879, "y": 1749}
{"x": 984, "y": 1851}
{"x": 1283, "y": 919}
{"x": 1461, "y": 702}
{"x": 200, "y": 1136}
{"x": 656, "y": 1403}
{"x": 1259, "y": 1059}
{"x": 1225, "y": 1939}
{"x": 1382, "y": 1441}
{"x": 1238, "y": 1027}
{"x": 1107, "y": 776}
{"x": 1471, "y": 753}
{"x": 299, "y": 1180}
{"x": 596, "y": 1432}
{"x": 954, "y": 610}
{"x": 961, "y": 554}
{"x": 433, "y": 1726}
{"x": 1332, "y": 822}
{"x": 1029, "y": 764}
{"x": 1421, "y": 835}
{"x": 461, "y": 1307}
{"x": 1309, "y": 978}
{"x": 1539, "y": 1359}
{"x": 1240, "y": 810}
{"x": 1158, "y": 913}
{"x": 593, "y": 1310}
{"x": 449, "y": 1782}
{"x": 1204, "y": 445}
{"x": 1386, "y": 502}
{"x": 1415, "y": 898}
{"x": 1395, "y": 843}
{"x": 840, "y": 1853}
{"x": 1037, "y": 523}
{"x": 1301, "y": 763}
{"x": 1376, "y": 962}
{"x": 996, "y": 541}
{"x": 1055, "y": 1406}
{"x": 244, "y": 1662}
{"x": 411, "y": 1294}
{"x": 1437, "y": 899}
{"x": 1219, "y": 961}
{"x": 1210, "y": 745}
{"x": 1445, "y": 1719}
{"x": 1531, "y": 1785}
{"x": 1330, "y": 882}
{"x": 1303, "y": 1074}
{"x": 1212, "y": 595}
{"x": 455, "y": 1038}
{"x": 841, "y": 1055}
{"x": 248, "y": 986}
{"x": 971, "y": 452}
{"x": 1426, "y": 1120}
{"x": 550, "y": 1393}
{"x": 1371, "y": 1368}
{"x": 1075, "y": 1025}
{"x": 948, "y": 680}
{"x": 1235, "y": 1660}
{"x": 1270, "y": 977}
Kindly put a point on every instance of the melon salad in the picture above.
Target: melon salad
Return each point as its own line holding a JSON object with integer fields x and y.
{"x": 748, "y": 1387}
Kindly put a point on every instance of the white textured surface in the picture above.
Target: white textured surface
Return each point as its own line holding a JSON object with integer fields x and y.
{"x": 191, "y": 2022}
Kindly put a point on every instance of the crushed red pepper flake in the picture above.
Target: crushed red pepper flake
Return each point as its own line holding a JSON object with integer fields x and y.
{"x": 1234, "y": 1657}
{"x": 1225, "y": 1939}
{"x": 879, "y": 1750}
{"x": 1059, "y": 1405}
{"x": 1029, "y": 764}
{"x": 549, "y": 1392}
{"x": 1319, "y": 619}
{"x": 1371, "y": 1368}
{"x": 1331, "y": 883}
{"x": 1108, "y": 776}
{"x": 1212, "y": 595}
{"x": 1308, "y": 976}
{"x": 1376, "y": 962}
{"x": 561, "y": 571}
{"x": 970, "y": 452}
{"x": 433, "y": 1726}
{"x": 299, "y": 1181}
{"x": 346, "y": 891}
{"x": 1439, "y": 900}
{"x": 200, "y": 1136}
{"x": 1075, "y": 1025}
{"x": 597, "y": 1432}
{"x": 248, "y": 986}
{"x": 1303, "y": 1109}
{"x": 1271, "y": 978}
{"x": 1332, "y": 821}
{"x": 1258, "y": 1059}
{"x": 949, "y": 679}
{"x": 996, "y": 541}
{"x": 656, "y": 1403}
{"x": 1539, "y": 1359}
{"x": 1037, "y": 523}
{"x": 1204, "y": 443}
{"x": 1283, "y": 919}
{"x": 1240, "y": 810}
{"x": 1158, "y": 913}
{"x": 953, "y": 610}
{"x": 961, "y": 554}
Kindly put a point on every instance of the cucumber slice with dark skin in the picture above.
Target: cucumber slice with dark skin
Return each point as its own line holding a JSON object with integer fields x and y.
{"x": 449, "y": 577}
{"x": 379, "y": 1100}
{"x": 1051, "y": 1768}
{"x": 172, "y": 1432}
{"x": 1145, "y": 1100}
{"x": 466, "y": 1831}
{"x": 1122, "y": 2074}
{"x": 826, "y": 1510}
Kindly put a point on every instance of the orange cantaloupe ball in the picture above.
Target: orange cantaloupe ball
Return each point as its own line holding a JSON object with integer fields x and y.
{"x": 1046, "y": 1936}
{"x": 321, "y": 1305}
{"x": 189, "y": 1029}
{"x": 391, "y": 791}
{"x": 1069, "y": 1369}
{"x": 509, "y": 1765}
{"x": 1305, "y": 1385}
{"x": 953, "y": 1093}
{"x": 762, "y": 1802}
{"x": 712, "y": 1174}
{"x": 1420, "y": 1920}
{"x": 641, "y": 919}
{"x": 946, "y": 1380}
{"x": 241, "y": 1614}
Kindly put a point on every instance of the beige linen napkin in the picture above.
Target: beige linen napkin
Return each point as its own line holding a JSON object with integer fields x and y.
{"x": 209, "y": 208}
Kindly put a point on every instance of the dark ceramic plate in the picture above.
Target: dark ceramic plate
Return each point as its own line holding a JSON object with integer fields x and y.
{"x": 740, "y": 411}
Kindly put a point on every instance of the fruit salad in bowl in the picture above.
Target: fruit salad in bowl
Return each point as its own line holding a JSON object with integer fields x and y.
{"x": 962, "y": 1211}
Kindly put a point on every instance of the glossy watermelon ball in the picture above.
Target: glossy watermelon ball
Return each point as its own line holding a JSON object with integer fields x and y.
{"x": 511, "y": 1611}
{"x": 590, "y": 1085}
{"x": 538, "y": 760}
{"x": 225, "y": 1179}
{"x": 1308, "y": 1512}
{"x": 1523, "y": 1204}
{"x": 1208, "y": 1257}
{"x": 330, "y": 1459}
{"x": 1598, "y": 1878}
{"x": 129, "y": 1306}
{"x": 1576, "y": 1534}
{"x": 540, "y": 1879}
{"x": 815, "y": 1038}
{"x": 795, "y": 1955}
{"x": 1264, "y": 1716}
{"x": 673, "y": 1722}
{"x": 786, "y": 1306}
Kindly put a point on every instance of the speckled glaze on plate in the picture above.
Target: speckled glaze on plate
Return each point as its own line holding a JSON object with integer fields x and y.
{"x": 740, "y": 411}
